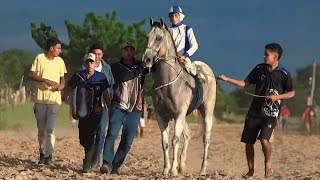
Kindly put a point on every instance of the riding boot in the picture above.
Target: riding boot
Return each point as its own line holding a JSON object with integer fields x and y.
{"x": 199, "y": 78}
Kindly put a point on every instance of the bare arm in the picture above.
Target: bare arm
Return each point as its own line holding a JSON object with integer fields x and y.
{"x": 33, "y": 75}
{"x": 286, "y": 95}
{"x": 239, "y": 83}
{"x": 62, "y": 84}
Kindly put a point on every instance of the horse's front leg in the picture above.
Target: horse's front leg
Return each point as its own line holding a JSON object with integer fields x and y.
{"x": 179, "y": 126}
{"x": 186, "y": 136}
{"x": 164, "y": 128}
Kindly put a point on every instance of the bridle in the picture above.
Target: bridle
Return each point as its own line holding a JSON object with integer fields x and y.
{"x": 157, "y": 59}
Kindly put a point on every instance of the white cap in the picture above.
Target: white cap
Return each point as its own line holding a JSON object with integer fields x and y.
{"x": 89, "y": 56}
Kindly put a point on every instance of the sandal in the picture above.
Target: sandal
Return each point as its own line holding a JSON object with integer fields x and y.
{"x": 246, "y": 176}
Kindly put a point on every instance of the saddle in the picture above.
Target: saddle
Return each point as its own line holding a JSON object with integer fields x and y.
{"x": 197, "y": 99}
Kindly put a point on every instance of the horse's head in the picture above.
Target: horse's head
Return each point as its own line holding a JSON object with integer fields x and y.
{"x": 157, "y": 43}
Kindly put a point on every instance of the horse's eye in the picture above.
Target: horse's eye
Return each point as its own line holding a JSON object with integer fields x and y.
{"x": 158, "y": 38}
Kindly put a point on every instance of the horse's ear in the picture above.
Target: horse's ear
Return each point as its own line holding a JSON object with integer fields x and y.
{"x": 162, "y": 22}
{"x": 151, "y": 22}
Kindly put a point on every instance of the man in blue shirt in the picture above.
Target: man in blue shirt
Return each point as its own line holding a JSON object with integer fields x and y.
{"x": 91, "y": 88}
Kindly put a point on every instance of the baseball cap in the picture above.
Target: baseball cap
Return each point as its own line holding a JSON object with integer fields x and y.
{"x": 127, "y": 44}
{"x": 89, "y": 56}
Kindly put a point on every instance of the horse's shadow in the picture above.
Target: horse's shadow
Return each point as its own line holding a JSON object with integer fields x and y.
{"x": 10, "y": 162}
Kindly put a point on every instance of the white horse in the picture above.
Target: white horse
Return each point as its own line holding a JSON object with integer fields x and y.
{"x": 173, "y": 95}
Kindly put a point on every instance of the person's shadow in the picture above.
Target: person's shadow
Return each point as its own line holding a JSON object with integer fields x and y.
{"x": 10, "y": 162}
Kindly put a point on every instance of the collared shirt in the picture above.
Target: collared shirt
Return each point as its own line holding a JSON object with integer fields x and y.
{"x": 99, "y": 68}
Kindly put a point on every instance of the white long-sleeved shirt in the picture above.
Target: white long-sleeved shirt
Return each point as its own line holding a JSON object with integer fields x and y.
{"x": 179, "y": 36}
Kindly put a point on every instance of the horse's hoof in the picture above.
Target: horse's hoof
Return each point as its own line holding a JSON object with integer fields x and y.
{"x": 203, "y": 172}
{"x": 174, "y": 173}
{"x": 165, "y": 172}
{"x": 182, "y": 170}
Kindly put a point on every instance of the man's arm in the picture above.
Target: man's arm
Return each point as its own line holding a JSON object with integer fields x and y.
{"x": 239, "y": 83}
{"x": 33, "y": 75}
{"x": 286, "y": 95}
{"x": 120, "y": 73}
{"x": 62, "y": 84}
{"x": 193, "y": 43}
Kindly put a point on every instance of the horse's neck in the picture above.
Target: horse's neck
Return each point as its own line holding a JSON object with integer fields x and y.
{"x": 171, "y": 47}
{"x": 166, "y": 71}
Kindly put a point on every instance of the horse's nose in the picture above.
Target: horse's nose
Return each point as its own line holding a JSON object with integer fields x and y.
{"x": 148, "y": 60}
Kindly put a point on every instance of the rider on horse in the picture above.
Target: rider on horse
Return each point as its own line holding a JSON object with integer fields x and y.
{"x": 185, "y": 41}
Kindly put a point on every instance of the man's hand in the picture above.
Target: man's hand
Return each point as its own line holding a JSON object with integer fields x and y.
{"x": 272, "y": 98}
{"x": 74, "y": 113}
{"x": 182, "y": 59}
{"x": 53, "y": 84}
{"x": 59, "y": 87}
{"x": 223, "y": 77}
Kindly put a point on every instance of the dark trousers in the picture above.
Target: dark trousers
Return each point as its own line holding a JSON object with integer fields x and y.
{"x": 88, "y": 129}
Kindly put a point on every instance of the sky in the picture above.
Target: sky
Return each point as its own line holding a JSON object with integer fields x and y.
{"x": 231, "y": 33}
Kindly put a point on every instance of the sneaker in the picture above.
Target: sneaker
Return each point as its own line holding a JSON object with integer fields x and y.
{"x": 41, "y": 159}
{"x": 86, "y": 167}
{"x": 115, "y": 171}
{"x": 95, "y": 164}
{"x": 105, "y": 168}
{"x": 48, "y": 160}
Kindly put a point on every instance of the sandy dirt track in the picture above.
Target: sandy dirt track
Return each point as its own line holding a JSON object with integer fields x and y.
{"x": 295, "y": 156}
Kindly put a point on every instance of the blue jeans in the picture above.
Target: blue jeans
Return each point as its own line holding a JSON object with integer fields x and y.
{"x": 130, "y": 122}
{"x": 101, "y": 134}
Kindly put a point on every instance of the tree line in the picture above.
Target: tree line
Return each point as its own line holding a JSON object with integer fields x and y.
{"x": 110, "y": 32}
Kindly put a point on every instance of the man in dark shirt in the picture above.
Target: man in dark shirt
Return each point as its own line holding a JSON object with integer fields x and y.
{"x": 126, "y": 108}
{"x": 272, "y": 84}
{"x": 91, "y": 86}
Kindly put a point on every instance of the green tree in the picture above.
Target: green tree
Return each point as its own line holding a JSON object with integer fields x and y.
{"x": 242, "y": 99}
{"x": 42, "y": 33}
{"x": 106, "y": 30}
{"x": 13, "y": 64}
{"x": 225, "y": 103}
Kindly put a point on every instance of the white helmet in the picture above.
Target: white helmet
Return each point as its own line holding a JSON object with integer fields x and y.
{"x": 177, "y": 9}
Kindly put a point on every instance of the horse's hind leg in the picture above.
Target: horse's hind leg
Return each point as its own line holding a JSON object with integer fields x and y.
{"x": 187, "y": 136}
{"x": 164, "y": 128}
{"x": 208, "y": 121}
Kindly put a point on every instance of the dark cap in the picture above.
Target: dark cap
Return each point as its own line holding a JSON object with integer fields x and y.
{"x": 127, "y": 44}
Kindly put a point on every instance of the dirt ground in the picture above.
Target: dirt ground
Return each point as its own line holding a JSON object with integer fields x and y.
{"x": 295, "y": 156}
